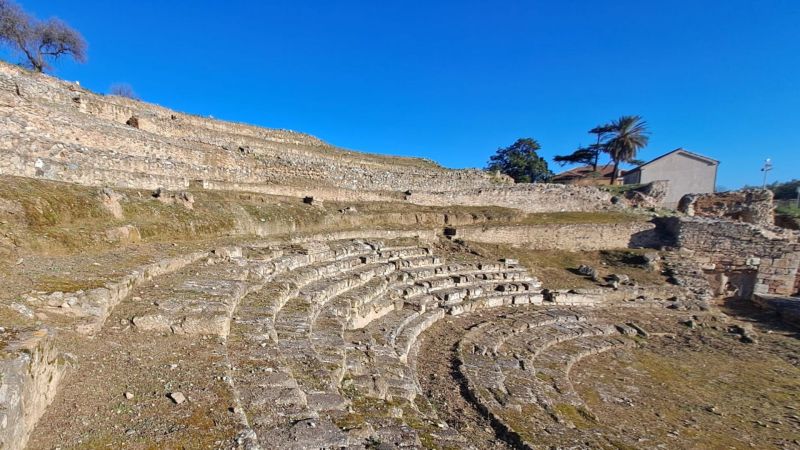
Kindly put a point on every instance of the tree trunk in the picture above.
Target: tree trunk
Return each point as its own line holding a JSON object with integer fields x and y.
{"x": 614, "y": 174}
{"x": 38, "y": 62}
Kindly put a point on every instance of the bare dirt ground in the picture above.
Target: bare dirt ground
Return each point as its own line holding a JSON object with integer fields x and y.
{"x": 92, "y": 410}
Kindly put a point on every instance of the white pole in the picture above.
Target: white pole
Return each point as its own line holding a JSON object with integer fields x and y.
{"x": 767, "y": 167}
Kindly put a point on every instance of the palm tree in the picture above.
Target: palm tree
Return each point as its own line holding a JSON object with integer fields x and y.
{"x": 628, "y": 135}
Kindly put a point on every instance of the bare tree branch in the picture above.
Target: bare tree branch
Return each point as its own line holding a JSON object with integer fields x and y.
{"x": 37, "y": 40}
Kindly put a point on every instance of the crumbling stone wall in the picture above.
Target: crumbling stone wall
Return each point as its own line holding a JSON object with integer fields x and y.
{"x": 59, "y": 131}
{"x": 750, "y": 205}
{"x": 649, "y": 195}
{"x": 30, "y": 371}
{"x": 727, "y": 247}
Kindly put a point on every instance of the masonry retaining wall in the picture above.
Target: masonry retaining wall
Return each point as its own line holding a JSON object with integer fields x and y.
{"x": 729, "y": 247}
{"x": 30, "y": 371}
{"x": 575, "y": 237}
{"x": 540, "y": 197}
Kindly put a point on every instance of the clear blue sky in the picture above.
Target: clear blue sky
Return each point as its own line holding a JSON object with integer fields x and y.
{"x": 453, "y": 80}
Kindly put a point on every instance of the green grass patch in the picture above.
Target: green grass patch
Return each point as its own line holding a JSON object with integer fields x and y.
{"x": 789, "y": 210}
{"x": 53, "y": 283}
{"x": 557, "y": 269}
{"x": 578, "y": 415}
{"x": 50, "y": 203}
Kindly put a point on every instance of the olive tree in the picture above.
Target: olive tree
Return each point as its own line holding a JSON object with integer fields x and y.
{"x": 38, "y": 41}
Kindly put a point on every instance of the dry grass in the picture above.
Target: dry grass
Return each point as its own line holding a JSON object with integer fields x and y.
{"x": 599, "y": 217}
{"x": 52, "y": 217}
{"x": 53, "y": 234}
{"x": 710, "y": 392}
{"x": 557, "y": 269}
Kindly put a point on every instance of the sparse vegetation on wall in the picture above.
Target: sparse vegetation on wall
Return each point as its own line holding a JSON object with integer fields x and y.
{"x": 123, "y": 90}
{"x": 788, "y": 210}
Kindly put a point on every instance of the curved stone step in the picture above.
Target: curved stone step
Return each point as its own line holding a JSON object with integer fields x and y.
{"x": 294, "y": 331}
{"x": 408, "y": 336}
{"x": 197, "y": 301}
{"x": 304, "y": 347}
{"x": 521, "y": 376}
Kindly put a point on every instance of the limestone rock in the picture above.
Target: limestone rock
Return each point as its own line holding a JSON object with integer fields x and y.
{"x": 177, "y": 397}
{"x": 30, "y": 372}
{"x": 183, "y": 198}
{"x": 126, "y": 234}
{"x": 111, "y": 202}
{"x": 317, "y": 433}
{"x": 648, "y": 196}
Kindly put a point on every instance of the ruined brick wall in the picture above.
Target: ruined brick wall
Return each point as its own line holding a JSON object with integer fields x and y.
{"x": 751, "y": 206}
{"x": 725, "y": 246}
{"x": 59, "y": 131}
{"x": 574, "y": 237}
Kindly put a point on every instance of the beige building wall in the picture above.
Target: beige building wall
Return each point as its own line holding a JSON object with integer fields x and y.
{"x": 686, "y": 174}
